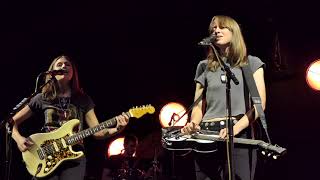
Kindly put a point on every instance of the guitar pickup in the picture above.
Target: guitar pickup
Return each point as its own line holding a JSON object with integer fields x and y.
{"x": 56, "y": 148}
{"x": 41, "y": 153}
{"x": 64, "y": 144}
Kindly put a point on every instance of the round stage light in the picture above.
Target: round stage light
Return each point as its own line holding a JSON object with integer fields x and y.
{"x": 313, "y": 75}
{"x": 116, "y": 147}
{"x": 171, "y": 113}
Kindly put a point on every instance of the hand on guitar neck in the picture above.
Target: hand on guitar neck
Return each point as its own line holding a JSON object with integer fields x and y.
{"x": 122, "y": 121}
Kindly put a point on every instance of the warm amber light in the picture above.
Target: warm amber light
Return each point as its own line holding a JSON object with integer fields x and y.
{"x": 313, "y": 75}
{"x": 173, "y": 111}
{"x": 116, "y": 147}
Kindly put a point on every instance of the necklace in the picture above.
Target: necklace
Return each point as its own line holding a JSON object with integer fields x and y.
{"x": 64, "y": 103}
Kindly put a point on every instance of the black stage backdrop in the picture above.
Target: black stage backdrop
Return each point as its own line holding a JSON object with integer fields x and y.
{"x": 132, "y": 53}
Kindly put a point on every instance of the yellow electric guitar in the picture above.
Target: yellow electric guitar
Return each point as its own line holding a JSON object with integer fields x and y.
{"x": 51, "y": 149}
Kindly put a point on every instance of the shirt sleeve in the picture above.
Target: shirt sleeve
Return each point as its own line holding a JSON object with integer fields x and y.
{"x": 35, "y": 103}
{"x": 200, "y": 75}
{"x": 88, "y": 103}
{"x": 255, "y": 63}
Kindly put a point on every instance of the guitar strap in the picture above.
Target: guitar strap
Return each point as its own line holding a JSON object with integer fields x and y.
{"x": 255, "y": 97}
{"x": 250, "y": 90}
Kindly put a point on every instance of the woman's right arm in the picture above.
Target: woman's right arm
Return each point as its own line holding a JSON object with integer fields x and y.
{"x": 22, "y": 142}
{"x": 197, "y": 113}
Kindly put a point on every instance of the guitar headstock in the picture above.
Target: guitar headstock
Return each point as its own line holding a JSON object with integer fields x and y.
{"x": 137, "y": 112}
{"x": 272, "y": 150}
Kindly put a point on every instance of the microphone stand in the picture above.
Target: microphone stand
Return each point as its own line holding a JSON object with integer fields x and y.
{"x": 9, "y": 123}
{"x": 230, "y": 134}
{"x": 172, "y": 122}
{"x": 155, "y": 165}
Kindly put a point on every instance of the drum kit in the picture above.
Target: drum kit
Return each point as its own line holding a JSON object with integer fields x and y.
{"x": 148, "y": 150}
{"x": 136, "y": 174}
{"x": 129, "y": 174}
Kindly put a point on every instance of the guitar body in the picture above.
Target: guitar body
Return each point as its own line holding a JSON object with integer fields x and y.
{"x": 186, "y": 143}
{"x": 172, "y": 139}
{"x": 50, "y": 150}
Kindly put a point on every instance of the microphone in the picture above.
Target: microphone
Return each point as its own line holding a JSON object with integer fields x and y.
{"x": 55, "y": 72}
{"x": 208, "y": 40}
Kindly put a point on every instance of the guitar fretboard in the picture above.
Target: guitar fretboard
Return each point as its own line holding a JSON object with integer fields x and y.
{"x": 253, "y": 142}
{"x": 76, "y": 138}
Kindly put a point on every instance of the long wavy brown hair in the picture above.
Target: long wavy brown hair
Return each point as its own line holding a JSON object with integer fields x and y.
{"x": 237, "y": 54}
{"x": 51, "y": 90}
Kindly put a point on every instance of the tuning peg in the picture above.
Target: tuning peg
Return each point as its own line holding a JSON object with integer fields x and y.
{"x": 263, "y": 153}
{"x": 275, "y": 157}
{"x": 269, "y": 154}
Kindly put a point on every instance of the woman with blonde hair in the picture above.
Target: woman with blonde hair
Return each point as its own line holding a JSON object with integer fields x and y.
{"x": 211, "y": 114}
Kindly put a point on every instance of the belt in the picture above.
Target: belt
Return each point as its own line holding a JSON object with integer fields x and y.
{"x": 219, "y": 119}
{"x": 216, "y": 125}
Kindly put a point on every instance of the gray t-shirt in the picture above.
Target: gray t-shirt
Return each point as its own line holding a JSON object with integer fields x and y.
{"x": 216, "y": 90}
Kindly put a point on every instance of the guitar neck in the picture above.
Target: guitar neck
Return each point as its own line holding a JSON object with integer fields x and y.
{"x": 78, "y": 137}
{"x": 235, "y": 140}
{"x": 252, "y": 142}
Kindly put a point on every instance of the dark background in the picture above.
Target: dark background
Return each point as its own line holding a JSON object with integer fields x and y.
{"x": 145, "y": 52}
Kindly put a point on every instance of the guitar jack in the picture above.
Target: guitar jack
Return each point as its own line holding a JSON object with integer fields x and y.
{"x": 38, "y": 170}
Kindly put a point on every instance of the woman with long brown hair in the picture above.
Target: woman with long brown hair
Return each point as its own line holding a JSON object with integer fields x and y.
{"x": 210, "y": 113}
{"x": 62, "y": 100}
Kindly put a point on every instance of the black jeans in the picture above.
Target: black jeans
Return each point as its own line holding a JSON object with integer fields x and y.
{"x": 214, "y": 166}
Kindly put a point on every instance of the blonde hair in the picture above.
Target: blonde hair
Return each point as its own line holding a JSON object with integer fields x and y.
{"x": 237, "y": 54}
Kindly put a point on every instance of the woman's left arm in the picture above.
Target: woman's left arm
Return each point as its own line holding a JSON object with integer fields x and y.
{"x": 92, "y": 121}
{"x": 248, "y": 117}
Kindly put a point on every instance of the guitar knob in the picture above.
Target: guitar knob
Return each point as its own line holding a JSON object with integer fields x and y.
{"x": 49, "y": 163}
{"x": 263, "y": 153}
{"x": 222, "y": 123}
{"x": 275, "y": 157}
{"x": 46, "y": 169}
{"x": 50, "y": 157}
